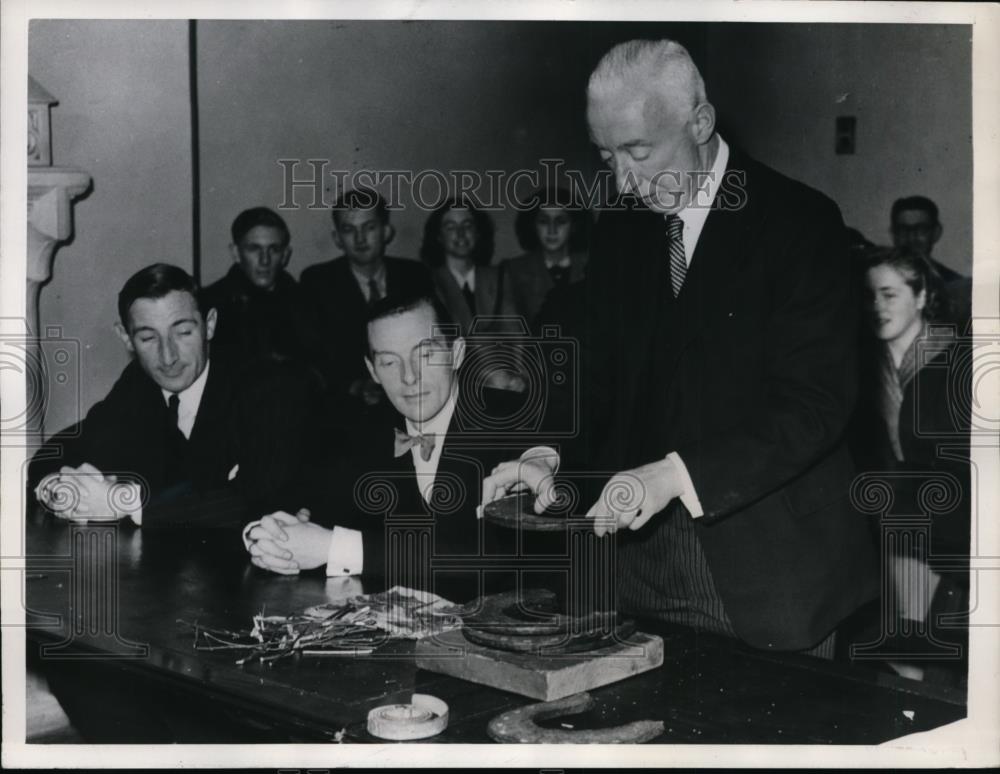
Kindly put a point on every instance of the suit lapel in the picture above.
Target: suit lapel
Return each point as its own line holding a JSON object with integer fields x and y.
{"x": 714, "y": 271}
{"x": 486, "y": 290}
{"x": 211, "y": 424}
{"x": 451, "y": 293}
{"x": 352, "y": 294}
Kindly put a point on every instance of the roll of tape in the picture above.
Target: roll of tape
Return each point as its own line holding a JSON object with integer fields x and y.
{"x": 424, "y": 716}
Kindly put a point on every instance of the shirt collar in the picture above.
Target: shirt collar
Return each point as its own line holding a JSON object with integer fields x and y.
{"x": 694, "y": 216}
{"x": 469, "y": 278}
{"x": 438, "y": 424}
{"x": 363, "y": 279}
{"x": 562, "y": 263}
{"x": 192, "y": 395}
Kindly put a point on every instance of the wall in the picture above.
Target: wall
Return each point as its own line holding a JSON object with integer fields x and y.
{"x": 123, "y": 116}
{"x": 390, "y": 96}
{"x": 779, "y": 88}
{"x": 449, "y": 95}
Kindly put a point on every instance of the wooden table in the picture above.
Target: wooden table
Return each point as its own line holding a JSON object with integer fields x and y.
{"x": 137, "y": 678}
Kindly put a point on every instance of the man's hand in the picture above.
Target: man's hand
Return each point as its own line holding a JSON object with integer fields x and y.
{"x": 631, "y": 497}
{"x": 534, "y": 472}
{"x": 82, "y": 494}
{"x": 286, "y": 543}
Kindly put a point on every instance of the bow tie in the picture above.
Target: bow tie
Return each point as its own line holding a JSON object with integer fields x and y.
{"x": 403, "y": 443}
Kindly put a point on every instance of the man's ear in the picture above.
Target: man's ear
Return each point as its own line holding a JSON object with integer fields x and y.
{"x": 457, "y": 353}
{"x": 287, "y": 256}
{"x": 936, "y": 233}
{"x": 703, "y": 122}
{"x": 371, "y": 370}
{"x": 123, "y": 335}
{"x": 921, "y": 300}
{"x": 234, "y": 251}
{"x": 388, "y": 233}
{"x": 210, "y": 320}
{"x": 337, "y": 239}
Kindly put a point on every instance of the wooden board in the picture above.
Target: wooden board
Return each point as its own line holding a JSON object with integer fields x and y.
{"x": 539, "y": 677}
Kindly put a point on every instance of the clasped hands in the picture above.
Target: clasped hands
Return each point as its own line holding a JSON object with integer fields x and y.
{"x": 287, "y": 543}
{"x": 86, "y": 494}
{"x": 629, "y": 499}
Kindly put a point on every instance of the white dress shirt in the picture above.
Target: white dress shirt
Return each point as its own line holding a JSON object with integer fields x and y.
{"x": 346, "y": 555}
{"x": 468, "y": 278}
{"x": 693, "y": 217}
{"x": 363, "y": 281}
{"x": 438, "y": 427}
{"x": 190, "y": 400}
{"x": 187, "y": 412}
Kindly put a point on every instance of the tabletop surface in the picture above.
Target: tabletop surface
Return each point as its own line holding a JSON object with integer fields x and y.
{"x": 709, "y": 689}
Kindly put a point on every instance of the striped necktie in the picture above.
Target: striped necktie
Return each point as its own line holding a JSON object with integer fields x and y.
{"x": 678, "y": 264}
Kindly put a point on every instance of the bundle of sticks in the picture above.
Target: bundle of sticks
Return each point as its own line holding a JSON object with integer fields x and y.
{"x": 354, "y": 627}
{"x": 347, "y": 631}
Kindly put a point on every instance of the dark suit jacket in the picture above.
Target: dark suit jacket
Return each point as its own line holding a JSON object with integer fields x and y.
{"x": 257, "y": 425}
{"x": 377, "y": 493}
{"x": 255, "y": 325}
{"x": 532, "y": 282}
{"x": 337, "y": 308}
{"x": 494, "y": 297}
{"x": 934, "y": 421}
{"x": 755, "y": 371}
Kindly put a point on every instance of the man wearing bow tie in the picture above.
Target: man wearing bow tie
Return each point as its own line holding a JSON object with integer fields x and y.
{"x": 430, "y": 458}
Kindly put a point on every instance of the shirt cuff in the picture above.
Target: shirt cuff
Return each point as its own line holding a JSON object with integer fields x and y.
{"x": 688, "y": 496}
{"x": 347, "y": 553}
{"x": 543, "y": 451}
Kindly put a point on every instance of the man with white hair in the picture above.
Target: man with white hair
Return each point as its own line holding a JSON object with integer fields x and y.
{"x": 720, "y": 374}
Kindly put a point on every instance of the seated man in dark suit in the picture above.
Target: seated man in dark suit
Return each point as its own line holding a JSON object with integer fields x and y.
{"x": 337, "y": 294}
{"x": 257, "y": 301}
{"x": 178, "y": 440}
{"x": 429, "y": 461}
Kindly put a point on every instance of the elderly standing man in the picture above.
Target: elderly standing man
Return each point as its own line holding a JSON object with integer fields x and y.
{"x": 720, "y": 374}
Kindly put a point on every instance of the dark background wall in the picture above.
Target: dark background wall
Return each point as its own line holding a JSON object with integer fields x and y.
{"x": 450, "y": 95}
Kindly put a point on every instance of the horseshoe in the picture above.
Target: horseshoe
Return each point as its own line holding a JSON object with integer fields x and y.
{"x": 494, "y": 613}
{"x": 551, "y": 644}
{"x": 515, "y": 511}
{"x": 519, "y": 726}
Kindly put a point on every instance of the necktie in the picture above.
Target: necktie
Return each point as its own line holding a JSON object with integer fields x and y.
{"x": 559, "y": 274}
{"x": 373, "y": 292}
{"x": 678, "y": 265}
{"x": 173, "y": 408}
{"x": 404, "y": 442}
{"x": 470, "y": 298}
{"x": 175, "y": 442}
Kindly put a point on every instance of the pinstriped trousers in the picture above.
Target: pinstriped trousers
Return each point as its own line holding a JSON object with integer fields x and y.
{"x": 665, "y": 576}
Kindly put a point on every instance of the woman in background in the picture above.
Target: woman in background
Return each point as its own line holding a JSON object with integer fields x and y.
{"x": 553, "y": 232}
{"x": 912, "y": 427}
{"x": 458, "y": 249}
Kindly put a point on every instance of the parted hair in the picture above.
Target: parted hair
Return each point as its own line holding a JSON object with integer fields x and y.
{"x": 155, "y": 281}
